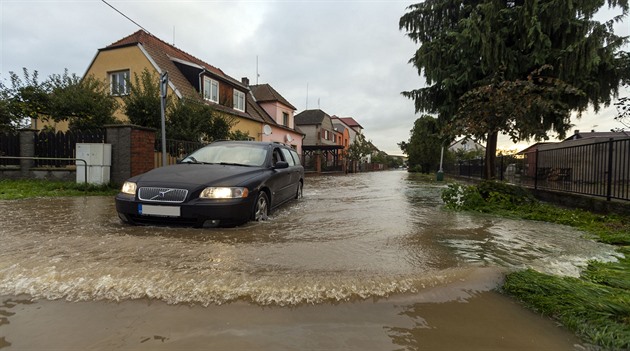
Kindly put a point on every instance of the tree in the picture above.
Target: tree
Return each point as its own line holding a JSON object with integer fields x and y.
{"x": 239, "y": 135}
{"x": 359, "y": 148}
{"x": 84, "y": 103}
{"x": 424, "y": 146}
{"x": 191, "y": 119}
{"x": 23, "y": 100}
{"x": 142, "y": 105}
{"x": 479, "y": 57}
{"x": 623, "y": 111}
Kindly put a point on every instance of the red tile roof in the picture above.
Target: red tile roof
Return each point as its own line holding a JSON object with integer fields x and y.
{"x": 350, "y": 122}
{"x": 148, "y": 40}
{"x": 266, "y": 93}
{"x": 163, "y": 55}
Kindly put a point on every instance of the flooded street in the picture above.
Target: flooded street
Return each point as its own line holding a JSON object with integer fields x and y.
{"x": 362, "y": 262}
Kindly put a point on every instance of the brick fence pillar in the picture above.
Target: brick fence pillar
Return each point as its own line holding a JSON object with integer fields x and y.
{"x": 132, "y": 150}
{"x": 27, "y": 149}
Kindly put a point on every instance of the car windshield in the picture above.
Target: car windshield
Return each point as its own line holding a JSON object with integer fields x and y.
{"x": 242, "y": 155}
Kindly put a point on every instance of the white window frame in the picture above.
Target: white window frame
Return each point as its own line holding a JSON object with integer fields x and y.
{"x": 118, "y": 83}
{"x": 210, "y": 89}
{"x": 239, "y": 100}
{"x": 325, "y": 134}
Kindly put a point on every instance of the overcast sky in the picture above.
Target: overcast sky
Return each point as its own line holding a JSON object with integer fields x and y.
{"x": 347, "y": 58}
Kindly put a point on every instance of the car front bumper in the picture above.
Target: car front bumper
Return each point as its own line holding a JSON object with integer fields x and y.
{"x": 192, "y": 213}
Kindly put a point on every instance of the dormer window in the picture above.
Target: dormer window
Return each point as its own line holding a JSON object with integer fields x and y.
{"x": 210, "y": 89}
{"x": 285, "y": 119}
{"x": 118, "y": 83}
{"x": 239, "y": 100}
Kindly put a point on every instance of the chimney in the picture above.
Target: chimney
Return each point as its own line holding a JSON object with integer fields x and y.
{"x": 577, "y": 131}
{"x": 245, "y": 81}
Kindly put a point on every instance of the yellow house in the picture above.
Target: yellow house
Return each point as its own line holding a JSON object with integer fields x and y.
{"x": 188, "y": 76}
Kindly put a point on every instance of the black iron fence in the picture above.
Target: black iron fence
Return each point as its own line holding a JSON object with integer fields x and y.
{"x": 9, "y": 146}
{"x": 175, "y": 150}
{"x": 49, "y": 145}
{"x": 596, "y": 169}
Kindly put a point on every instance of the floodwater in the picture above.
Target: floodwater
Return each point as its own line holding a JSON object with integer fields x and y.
{"x": 362, "y": 262}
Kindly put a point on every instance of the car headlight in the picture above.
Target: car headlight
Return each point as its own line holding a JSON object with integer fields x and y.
{"x": 223, "y": 193}
{"x": 129, "y": 188}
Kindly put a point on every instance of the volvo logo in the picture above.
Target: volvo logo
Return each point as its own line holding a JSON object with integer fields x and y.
{"x": 161, "y": 194}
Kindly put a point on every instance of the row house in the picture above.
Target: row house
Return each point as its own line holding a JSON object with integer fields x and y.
{"x": 190, "y": 77}
{"x": 328, "y": 136}
{"x": 320, "y": 138}
{"x": 284, "y": 129}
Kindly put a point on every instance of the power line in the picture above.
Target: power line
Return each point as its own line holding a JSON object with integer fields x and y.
{"x": 132, "y": 21}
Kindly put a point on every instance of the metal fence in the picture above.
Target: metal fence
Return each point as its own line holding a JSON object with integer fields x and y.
{"x": 596, "y": 169}
{"x": 175, "y": 150}
{"x": 62, "y": 145}
{"x": 9, "y": 146}
{"x": 49, "y": 145}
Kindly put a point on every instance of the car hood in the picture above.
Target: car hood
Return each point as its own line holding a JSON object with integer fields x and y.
{"x": 198, "y": 174}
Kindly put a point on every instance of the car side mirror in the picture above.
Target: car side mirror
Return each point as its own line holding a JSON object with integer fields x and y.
{"x": 281, "y": 165}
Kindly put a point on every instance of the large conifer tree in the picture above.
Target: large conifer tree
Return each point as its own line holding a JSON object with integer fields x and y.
{"x": 513, "y": 66}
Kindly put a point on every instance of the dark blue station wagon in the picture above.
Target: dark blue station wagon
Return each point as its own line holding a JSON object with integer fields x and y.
{"x": 224, "y": 183}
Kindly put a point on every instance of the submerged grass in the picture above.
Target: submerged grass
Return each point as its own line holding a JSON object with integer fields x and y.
{"x": 596, "y": 306}
{"x": 29, "y": 188}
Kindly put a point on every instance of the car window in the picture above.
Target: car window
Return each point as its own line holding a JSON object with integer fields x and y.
{"x": 296, "y": 157}
{"x": 277, "y": 156}
{"x": 287, "y": 156}
{"x": 241, "y": 154}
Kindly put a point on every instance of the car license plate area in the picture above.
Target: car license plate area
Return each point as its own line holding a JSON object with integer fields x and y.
{"x": 162, "y": 211}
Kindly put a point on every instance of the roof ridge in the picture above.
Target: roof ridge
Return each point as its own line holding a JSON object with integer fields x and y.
{"x": 142, "y": 37}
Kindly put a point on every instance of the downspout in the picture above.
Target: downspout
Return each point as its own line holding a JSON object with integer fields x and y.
{"x": 201, "y": 80}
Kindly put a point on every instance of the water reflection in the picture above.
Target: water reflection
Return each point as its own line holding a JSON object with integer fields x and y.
{"x": 480, "y": 321}
{"x": 351, "y": 237}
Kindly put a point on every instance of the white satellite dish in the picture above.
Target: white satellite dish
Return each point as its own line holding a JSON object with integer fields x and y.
{"x": 289, "y": 138}
{"x": 267, "y": 129}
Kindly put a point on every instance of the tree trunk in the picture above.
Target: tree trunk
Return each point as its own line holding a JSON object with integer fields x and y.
{"x": 491, "y": 155}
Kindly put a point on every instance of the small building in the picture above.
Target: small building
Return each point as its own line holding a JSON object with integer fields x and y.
{"x": 320, "y": 140}
{"x": 465, "y": 144}
{"x": 282, "y": 128}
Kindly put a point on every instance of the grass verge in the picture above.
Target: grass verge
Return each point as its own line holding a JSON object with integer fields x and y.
{"x": 596, "y": 306}
{"x": 29, "y": 188}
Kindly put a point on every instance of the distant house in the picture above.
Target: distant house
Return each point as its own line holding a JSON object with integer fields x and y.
{"x": 317, "y": 126}
{"x": 593, "y": 135}
{"x": 343, "y": 134}
{"x": 465, "y": 144}
{"x": 320, "y": 138}
{"x": 281, "y": 111}
{"x": 354, "y": 126}
{"x": 581, "y": 156}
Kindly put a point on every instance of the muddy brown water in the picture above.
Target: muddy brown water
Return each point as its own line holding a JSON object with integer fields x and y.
{"x": 362, "y": 262}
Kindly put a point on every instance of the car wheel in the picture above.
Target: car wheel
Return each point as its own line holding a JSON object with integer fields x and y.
{"x": 261, "y": 208}
{"x": 300, "y": 189}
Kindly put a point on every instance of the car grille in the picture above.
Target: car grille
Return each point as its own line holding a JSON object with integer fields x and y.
{"x": 162, "y": 194}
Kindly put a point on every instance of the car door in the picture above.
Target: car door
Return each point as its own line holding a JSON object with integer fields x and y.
{"x": 294, "y": 170}
{"x": 280, "y": 181}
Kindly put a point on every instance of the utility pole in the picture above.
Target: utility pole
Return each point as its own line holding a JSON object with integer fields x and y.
{"x": 163, "y": 91}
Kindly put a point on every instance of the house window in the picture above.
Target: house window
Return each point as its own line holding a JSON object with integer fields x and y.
{"x": 239, "y": 100}
{"x": 210, "y": 89}
{"x": 118, "y": 83}
{"x": 285, "y": 119}
{"x": 325, "y": 135}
